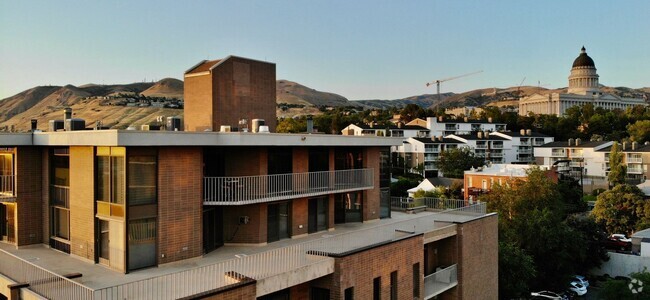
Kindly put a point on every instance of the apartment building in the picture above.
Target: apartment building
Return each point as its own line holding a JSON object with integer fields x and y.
{"x": 425, "y": 152}
{"x": 492, "y": 148}
{"x": 399, "y": 130}
{"x": 111, "y": 214}
{"x": 443, "y": 127}
{"x": 522, "y": 144}
{"x": 636, "y": 158}
{"x": 482, "y": 180}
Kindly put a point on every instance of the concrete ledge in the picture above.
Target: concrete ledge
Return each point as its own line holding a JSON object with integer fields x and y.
{"x": 319, "y": 268}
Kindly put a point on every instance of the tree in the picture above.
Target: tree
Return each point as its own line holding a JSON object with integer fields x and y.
{"x": 592, "y": 234}
{"x": 622, "y": 209}
{"x": 617, "y": 169}
{"x": 532, "y": 218}
{"x": 411, "y": 112}
{"x": 454, "y": 162}
{"x": 639, "y": 131}
{"x": 289, "y": 125}
{"x": 516, "y": 271}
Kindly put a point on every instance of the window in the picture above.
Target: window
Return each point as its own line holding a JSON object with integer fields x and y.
{"x": 142, "y": 180}
{"x": 349, "y": 293}
{"x": 416, "y": 280}
{"x": 60, "y": 199}
{"x": 110, "y": 181}
{"x": 376, "y": 288}
{"x": 393, "y": 285}
{"x": 6, "y": 174}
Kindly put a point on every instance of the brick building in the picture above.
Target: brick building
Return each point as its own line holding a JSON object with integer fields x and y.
{"x": 111, "y": 214}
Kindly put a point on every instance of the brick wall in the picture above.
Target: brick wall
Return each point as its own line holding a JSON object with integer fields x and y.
{"x": 479, "y": 256}
{"x": 82, "y": 202}
{"x": 180, "y": 203}
{"x": 45, "y": 195}
{"x": 299, "y": 216}
{"x": 29, "y": 205}
{"x": 371, "y": 197}
{"x": 197, "y": 93}
{"x": 358, "y": 270}
{"x": 243, "y": 292}
{"x": 252, "y": 233}
{"x": 237, "y": 88}
{"x": 246, "y": 161}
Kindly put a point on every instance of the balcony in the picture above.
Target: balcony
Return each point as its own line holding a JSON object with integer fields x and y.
{"x": 440, "y": 281}
{"x": 7, "y": 188}
{"x": 525, "y": 151}
{"x": 636, "y": 160}
{"x": 538, "y": 143}
{"x": 634, "y": 170}
{"x": 496, "y": 154}
{"x": 481, "y": 146}
{"x": 429, "y": 157}
{"x": 525, "y": 143}
{"x": 497, "y": 146}
{"x": 245, "y": 190}
{"x": 558, "y": 153}
{"x": 432, "y": 150}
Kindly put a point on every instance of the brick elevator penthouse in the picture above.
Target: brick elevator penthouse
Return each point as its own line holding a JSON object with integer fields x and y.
{"x": 222, "y": 92}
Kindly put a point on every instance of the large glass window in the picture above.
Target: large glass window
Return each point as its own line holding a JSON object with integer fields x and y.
{"x": 142, "y": 180}
{"x": 111, "y": 181}
{"x": 6, "y": 174}
{"x": 60, "y": 199}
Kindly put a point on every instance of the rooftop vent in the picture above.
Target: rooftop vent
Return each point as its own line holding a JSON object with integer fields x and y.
{"x": 55, "y": 125}
{"x": 74, "y": 124}
{"x": 257, "y": 123}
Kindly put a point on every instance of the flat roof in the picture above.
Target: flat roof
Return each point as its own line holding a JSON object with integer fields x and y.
{"x": 565, "y": 144}
{"x": 187, "y": 138}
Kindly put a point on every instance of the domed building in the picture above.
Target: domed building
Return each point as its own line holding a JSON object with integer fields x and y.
{"x": 583, "y": 88}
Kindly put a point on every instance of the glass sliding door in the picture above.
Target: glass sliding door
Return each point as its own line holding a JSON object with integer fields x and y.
{"x": 317, "y": 214}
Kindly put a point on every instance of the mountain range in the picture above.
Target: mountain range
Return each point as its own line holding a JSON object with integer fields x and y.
{"x": 94, "y": 102}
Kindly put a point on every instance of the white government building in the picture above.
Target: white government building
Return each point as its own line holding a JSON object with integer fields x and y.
{"x": 583, "y": 89}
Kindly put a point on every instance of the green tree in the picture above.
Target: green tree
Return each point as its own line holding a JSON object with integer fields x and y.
{"x": 454, "y": 162}
{"x": 289, "y": 125}
{"x": 516, "y": 271}
{"x": 639, "y": 131}
{"x": 411, "y": 111}
{"x": 592, "y": 234}
{"x": 622, "y": 209}
{"x": 617, "y": 169}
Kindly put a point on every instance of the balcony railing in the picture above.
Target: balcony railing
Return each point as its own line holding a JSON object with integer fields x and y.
{"x": 41, "y": 281}
{"x": 436, "y": 204}
{"x": 7, "y": 187}
{"x": 635, "y": 170}
{"x": 558, "y": 153}
{"x": 264, "y": 188}
{"x": 496, "y": 154}
{"x": 440, "y": 281}
{"x": 497, "y": 146}
{"x": 311, "y": 255}
{"x": 432, "y": 150}
{"x": 634, "y": 159}
{"x": 481, "y": 146}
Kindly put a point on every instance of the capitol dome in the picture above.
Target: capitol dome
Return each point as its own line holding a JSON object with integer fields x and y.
{"x": 583, "y": 60}
{"x": 583, "y": 79}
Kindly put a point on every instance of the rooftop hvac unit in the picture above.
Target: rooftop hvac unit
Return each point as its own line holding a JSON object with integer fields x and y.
{"x": 224, "y": 128}
{"x": 144, "y": 127}
{"x": 55, "y": 125}
{"x": 74, "y": 124}
{"x": 257, "y": 123}
{"x": 264, "y": 129}
{"x": 173, "y": 124}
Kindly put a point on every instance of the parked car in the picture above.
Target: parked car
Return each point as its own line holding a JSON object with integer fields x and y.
{"x": 617, "y": 242}
{"x": 581, "y": 279}
{"x": 577, "y": 288}
{"x": 548, "y": 295}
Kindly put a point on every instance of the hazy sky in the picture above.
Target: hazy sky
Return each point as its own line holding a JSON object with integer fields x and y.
{"x": 359, "y": 49}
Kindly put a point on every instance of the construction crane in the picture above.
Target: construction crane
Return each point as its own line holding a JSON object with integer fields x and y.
{"x": 519, "y": 87}
{"x": 437, "y": 82}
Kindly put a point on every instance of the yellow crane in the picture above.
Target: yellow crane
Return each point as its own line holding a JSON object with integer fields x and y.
{"x": 437, "y": 82}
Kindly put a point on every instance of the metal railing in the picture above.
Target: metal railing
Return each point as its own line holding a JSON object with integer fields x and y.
{"x": 256, "y": 266}
{"x": 497, "y": 146}
{"x": 264, "y": 188}
{"x": 440, "y": 281}
{"x": 558, "y": 153}
{"x": 631, "y": 159}
{"x": 635, "y": 170}
{"x": 41, "y": 281}
{"x": 481, "y": 146}
{"x": 437, "y": 204}
{"x": 7, "y": 186}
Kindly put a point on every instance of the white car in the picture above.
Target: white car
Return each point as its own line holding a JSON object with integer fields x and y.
{"x": 547, "y": 295}
{"x": 621, "y": 237}
{"x": 577, "y": 288}
{"x": 580, "y": 279}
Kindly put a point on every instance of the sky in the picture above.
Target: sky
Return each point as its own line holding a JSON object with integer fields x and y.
{"x": 358, "y": 49}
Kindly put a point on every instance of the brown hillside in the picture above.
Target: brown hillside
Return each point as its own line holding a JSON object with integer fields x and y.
{"x": 294, "y": 93}
{"x": 168, "y": 88}
{"x": 23, "y": 101}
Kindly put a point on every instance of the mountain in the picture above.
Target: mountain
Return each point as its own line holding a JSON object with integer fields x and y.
{"x": 423, "y": 101}
{"x": 294, "y": 93}
{"x": 122, "y": 105}
{"x": 167, "y": 88}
